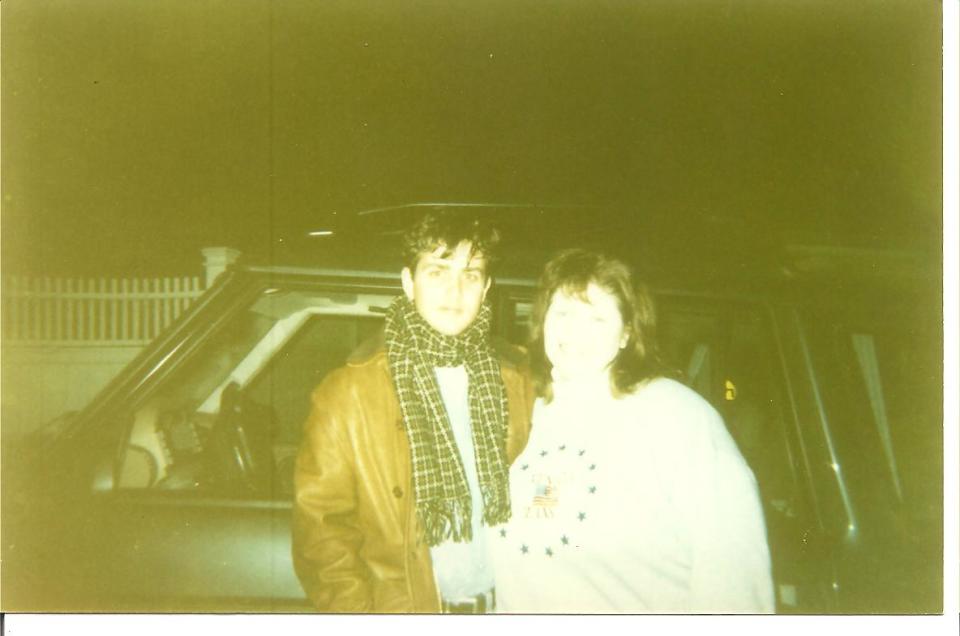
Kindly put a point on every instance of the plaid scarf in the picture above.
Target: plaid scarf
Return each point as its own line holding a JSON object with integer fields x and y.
{"x": 443, "y": 499}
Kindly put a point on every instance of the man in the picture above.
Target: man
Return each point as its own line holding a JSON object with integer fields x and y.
{"x": 407, "y": 448}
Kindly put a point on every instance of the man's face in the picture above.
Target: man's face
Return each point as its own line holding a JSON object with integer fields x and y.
{"x": 448, "y": 292}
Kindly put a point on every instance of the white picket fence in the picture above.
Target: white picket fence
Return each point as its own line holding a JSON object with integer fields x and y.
{"x": 101, "y": 311}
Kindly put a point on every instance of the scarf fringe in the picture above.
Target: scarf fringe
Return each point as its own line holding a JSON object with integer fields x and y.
{"x": 496, "y": 505}
{"x": 447, "y": 520}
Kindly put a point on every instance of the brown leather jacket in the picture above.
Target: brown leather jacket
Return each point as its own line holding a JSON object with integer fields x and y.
{"x": 357, "y": 545}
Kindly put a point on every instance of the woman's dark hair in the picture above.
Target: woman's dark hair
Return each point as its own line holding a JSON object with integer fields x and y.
{"x": 449, "y": 228}
{"x": 571, "y": 272}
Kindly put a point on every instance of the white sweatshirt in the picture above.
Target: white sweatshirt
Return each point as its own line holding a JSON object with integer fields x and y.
{"x": 636, "y": 505}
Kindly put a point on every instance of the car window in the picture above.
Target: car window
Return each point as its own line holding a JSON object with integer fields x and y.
{"x": 322, "y": 344}
{"x": 227, "y": 419}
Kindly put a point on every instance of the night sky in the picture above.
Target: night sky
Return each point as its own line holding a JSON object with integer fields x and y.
{"x": 136, "y": 132}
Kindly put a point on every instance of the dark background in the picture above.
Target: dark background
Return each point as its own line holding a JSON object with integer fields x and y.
{"x": 136, "y": 132}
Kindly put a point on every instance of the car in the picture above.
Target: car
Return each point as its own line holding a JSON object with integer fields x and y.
{"x": 172, "y": 490}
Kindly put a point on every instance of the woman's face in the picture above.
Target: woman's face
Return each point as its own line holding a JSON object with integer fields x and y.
{"x": 582, "y": 337}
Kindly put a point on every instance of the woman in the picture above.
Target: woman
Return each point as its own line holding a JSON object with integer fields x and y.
{"x": 630, "y": 495}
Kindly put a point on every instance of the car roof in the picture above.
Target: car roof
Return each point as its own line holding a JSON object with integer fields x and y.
{"x": 707, "y": 254}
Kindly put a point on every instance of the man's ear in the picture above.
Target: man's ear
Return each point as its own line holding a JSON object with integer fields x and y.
{"x": 406, "y": 279}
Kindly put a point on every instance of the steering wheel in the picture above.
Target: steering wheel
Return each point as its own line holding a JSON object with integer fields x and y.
{"x": 239, "y": 445}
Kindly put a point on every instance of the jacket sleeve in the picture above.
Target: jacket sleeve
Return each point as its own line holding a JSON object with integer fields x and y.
{"x": 730, "y": 559}
{"x": 326, "y": 537}
{"x": 520, "y": 397}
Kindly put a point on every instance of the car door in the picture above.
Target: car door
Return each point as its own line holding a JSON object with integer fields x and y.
{"x": 188, "y": 502}
{"x": 880, "y": 380}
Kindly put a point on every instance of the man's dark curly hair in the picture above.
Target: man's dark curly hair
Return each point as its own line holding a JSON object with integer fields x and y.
{"x": 448, "y": 229}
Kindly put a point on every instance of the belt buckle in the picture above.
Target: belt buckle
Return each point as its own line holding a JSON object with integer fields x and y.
{"x": 479, "y": 604}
